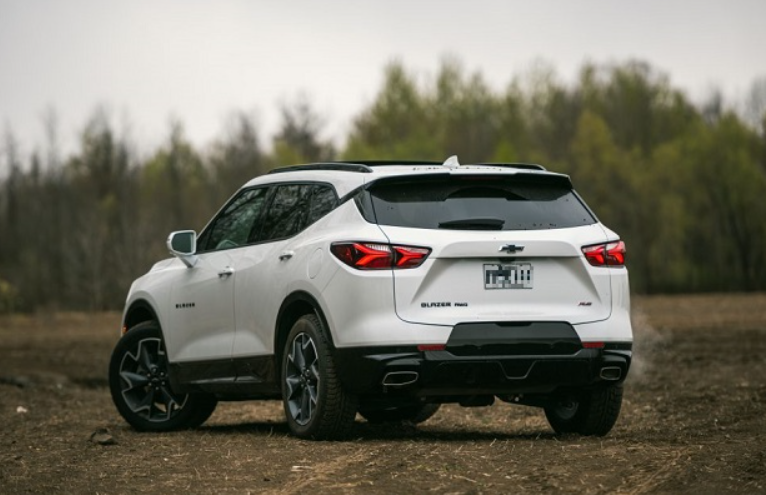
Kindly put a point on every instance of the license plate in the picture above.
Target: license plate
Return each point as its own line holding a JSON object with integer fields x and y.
{"x": 511, "y": 276}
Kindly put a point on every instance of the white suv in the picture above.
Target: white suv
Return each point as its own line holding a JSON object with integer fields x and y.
{"x": 385, "y": 289}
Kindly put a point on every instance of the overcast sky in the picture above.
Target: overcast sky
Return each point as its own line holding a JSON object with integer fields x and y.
{"x": 198, "y": 61}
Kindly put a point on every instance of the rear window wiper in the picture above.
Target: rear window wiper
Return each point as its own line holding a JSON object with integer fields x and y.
{"x": 473, "y": 224}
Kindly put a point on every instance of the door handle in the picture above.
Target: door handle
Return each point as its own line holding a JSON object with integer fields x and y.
{"x": 226, "y": 272}
{"x": 286, "y": 255}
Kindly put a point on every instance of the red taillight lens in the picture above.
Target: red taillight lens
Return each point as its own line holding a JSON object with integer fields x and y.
{"x": 374, "y": 256}
{"x": 364, "y": 256}
{"x": 409, "y": 256}
{"x": 612, "y": 254}
{"x": 615, "y": 253}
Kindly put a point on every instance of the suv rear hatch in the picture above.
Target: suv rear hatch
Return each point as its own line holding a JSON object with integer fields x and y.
{"x": 504, "y": 247}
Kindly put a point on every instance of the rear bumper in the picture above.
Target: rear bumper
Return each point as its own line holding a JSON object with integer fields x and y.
{"x": 486, "y": 359}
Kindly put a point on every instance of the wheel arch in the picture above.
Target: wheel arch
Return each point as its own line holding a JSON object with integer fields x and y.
{"x": 294, "y": 306}
{"x": 138, "y": 312}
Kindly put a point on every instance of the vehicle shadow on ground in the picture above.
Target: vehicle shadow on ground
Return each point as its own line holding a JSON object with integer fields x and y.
{"x": 363, "y": 431}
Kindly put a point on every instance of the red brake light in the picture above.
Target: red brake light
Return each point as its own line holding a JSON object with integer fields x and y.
{"x": 364, "y": 256}
{"x": 611, "y": 254}
{"x": 410, "y": 257}
{"x": 375, "y": 256}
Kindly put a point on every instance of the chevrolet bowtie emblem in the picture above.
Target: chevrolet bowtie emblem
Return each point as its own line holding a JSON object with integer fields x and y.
{"x": 511, "y": 248}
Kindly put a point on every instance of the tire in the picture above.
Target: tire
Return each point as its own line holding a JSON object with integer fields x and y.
{"x": 315, "y": 403}
{"x": 138, "y": 381}
{"x": 589, "y": 412}
{"x": 414, "y": 414}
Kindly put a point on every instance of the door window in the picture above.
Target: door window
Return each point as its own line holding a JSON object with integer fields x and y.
{"x": 323, "y": 201}
{"x": 287, "y": 212}
{"x": 233, "y": 226}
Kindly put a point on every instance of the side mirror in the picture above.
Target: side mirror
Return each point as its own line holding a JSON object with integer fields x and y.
{"x": 183, "y": 245}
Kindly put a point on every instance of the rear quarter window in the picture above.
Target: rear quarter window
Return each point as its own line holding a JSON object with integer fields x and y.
{"x": 522, "y": 202}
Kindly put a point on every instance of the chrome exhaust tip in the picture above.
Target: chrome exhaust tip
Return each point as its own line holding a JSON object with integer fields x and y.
{"x": 400, "y": 378}
{"x": 611, "y": 373}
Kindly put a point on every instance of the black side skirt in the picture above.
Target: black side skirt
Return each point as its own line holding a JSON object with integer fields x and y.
{"x": 229, "y": 379}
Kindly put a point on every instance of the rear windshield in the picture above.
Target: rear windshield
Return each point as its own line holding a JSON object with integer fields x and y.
{"x": 479, "y": 203}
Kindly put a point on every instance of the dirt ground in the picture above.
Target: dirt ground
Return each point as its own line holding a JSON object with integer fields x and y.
{"x": 693, "y": 420}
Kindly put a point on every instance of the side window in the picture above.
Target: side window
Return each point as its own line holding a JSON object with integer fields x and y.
{"x": 232, "y": 227}
{"x": 287, "y": 213}
{"x": 323, "y": 200}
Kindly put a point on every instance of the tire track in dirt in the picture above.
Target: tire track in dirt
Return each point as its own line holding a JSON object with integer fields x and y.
{"x": 325, "y": 475}
{"x": 649, "y": 478}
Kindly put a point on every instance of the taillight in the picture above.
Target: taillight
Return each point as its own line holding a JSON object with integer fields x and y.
{"x": 611, "y": 254}
{"x": 375, "y": 256}
{"x": 409, "y": 256}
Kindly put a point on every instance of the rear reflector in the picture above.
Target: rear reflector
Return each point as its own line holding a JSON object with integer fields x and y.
{"x": 432, "y": 347}
{"x": 376, "y": 256}
{"x": 593, "y": 345}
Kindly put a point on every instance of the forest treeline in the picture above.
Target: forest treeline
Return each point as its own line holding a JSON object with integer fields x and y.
{"x": 683, "y": 184}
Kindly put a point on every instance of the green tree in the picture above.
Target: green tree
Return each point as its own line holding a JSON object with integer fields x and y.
{"x": 97, "y": 206}
{"x": 297, "y": 140}
{"x": 397, "y": 125}
{"x": 236, "y": 158}
{"x": 732, "y": 184}
{"x": 174, "y": 192}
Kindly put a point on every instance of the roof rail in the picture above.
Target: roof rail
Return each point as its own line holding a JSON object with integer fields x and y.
{"x": 385, "y": 163}
{"x": 340, "y": 166}
{"x": 366, "y": 166}
{"x": 526, "y": 166}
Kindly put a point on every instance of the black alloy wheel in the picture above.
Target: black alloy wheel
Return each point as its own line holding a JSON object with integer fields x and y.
{"x": 140, "y": 386}
{"x": 315, "y": 403}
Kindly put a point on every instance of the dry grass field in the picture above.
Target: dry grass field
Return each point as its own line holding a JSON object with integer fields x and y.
{"x": 693, "y": 420}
